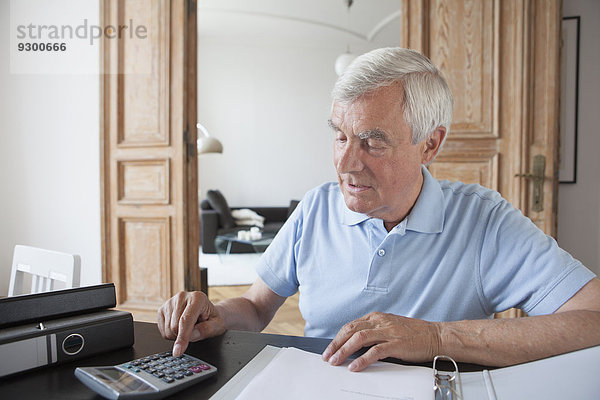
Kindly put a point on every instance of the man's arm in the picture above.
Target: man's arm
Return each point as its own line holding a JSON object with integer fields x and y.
{"x": 500, "y": 342}
{"x": 190, "y": 316}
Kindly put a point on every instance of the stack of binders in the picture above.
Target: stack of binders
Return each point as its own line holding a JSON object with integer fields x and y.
{"x": 60, "y": 326}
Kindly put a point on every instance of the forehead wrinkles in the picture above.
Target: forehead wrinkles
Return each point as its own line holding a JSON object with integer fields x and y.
{"x": 364, "y": 120}
{"x": 354, "y": 118}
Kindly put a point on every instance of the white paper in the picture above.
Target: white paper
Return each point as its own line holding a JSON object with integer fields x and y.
{"x": 297, "y": 374}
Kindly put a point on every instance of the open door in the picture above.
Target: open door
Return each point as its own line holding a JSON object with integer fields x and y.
{"x": 501, "y": 60}
{"x": 150, "y": 232}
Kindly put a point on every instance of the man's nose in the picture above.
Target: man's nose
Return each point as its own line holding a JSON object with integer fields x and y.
{"x": 349, "y": 159}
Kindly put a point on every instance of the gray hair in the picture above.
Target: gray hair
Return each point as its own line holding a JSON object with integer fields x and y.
{"x": 427, "y": 98}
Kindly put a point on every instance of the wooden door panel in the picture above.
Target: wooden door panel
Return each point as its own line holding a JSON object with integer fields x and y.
{"x": 150, "y": 213}
{"x": 143, "y": 181}
{"x": 462, "y": 45}
{"x": 145, "y": 262}
{"x": 144, "y": 85}
{"x": 481, "y": 171}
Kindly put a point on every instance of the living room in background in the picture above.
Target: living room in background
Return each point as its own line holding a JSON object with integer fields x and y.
{"x": 265, "y": 72}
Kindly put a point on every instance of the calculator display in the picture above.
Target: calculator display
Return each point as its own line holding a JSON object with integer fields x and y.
{"x": 121, "y": 381}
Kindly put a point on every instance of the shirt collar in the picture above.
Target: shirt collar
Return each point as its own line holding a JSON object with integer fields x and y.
{"x": 427, "y": 215}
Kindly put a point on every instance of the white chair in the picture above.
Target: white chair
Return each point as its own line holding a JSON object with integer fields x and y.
{"x": 37, "y": 270}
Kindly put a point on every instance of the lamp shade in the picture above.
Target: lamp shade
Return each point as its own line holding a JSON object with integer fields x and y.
{"x": 209, "y": 145}
{"x": 206, "y": 143}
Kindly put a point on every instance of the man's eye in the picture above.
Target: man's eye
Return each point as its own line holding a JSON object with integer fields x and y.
{"x": 340, "y": 138}
{"x": 374, "y": 144}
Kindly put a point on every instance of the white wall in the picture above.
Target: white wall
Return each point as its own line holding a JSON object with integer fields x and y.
{"x": 49, "y": 159}
{"x": 579, "y": 203}
{"x": 265, "y": 73}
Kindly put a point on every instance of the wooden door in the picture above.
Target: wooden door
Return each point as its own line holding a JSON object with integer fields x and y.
{"x": 149, "y": 183}
{"x": 501, "y": 60}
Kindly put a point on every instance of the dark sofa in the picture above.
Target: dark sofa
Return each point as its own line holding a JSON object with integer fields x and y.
{"x": 218, "y": 221}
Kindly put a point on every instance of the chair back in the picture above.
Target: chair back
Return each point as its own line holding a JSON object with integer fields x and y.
{"x": 37, "y": 270}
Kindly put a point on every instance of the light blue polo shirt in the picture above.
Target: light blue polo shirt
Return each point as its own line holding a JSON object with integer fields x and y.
{"x": 463, "y": 252}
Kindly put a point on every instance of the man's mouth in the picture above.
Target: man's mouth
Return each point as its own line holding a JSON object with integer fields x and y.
{"x": 357, "y": 188}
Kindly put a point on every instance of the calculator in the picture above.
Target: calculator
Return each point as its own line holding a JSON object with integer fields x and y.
{"x": 151, "y": 377}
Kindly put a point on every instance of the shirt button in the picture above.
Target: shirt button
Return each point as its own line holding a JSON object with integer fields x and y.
{"x": 381, "y": 252}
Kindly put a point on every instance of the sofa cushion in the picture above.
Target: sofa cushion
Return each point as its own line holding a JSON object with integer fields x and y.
{"x": 272, "y": 227}
{"x": 219, "y": 204}
{"x": 205, "y": 205}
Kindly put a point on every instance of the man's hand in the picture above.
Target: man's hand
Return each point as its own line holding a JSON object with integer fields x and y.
{"x": 392, "y": 336}
{"x": 189, "y": 316}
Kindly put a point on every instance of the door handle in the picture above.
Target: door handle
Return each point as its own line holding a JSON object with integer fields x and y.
{"x": 537, "y": 176}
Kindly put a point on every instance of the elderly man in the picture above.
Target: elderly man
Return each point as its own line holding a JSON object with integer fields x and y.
{"x": 391, "y": 258}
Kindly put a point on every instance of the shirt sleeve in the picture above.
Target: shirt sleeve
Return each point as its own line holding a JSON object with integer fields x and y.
{"x": 277, "y": 266}
{"x": 524, "y": 268}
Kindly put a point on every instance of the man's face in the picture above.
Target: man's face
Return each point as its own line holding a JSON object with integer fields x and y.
{"x": 378, "y": 167}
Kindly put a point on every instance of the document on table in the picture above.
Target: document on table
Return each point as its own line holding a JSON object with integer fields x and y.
{"x": 297, "y": 374}
{"x": 290, "y": 373}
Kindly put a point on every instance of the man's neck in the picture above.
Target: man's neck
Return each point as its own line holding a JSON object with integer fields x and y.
{"x": 390, "y": 224}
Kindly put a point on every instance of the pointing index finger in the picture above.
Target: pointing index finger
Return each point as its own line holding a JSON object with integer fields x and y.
{"x": 187, "y": 321}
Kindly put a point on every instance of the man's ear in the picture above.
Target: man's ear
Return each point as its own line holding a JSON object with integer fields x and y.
{"x": 433, "y": 145}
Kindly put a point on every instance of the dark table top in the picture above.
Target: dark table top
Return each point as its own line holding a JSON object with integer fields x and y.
{"x": 228, "y": 352}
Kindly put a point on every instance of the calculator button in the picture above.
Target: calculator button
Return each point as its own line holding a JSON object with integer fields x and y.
{"x": 178, "y": 376}
{"x": 158, "y": 374}
{"x": 199, "y": 368}
{"x": 188, "y": 373}
{"x": 168, "y": 379}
